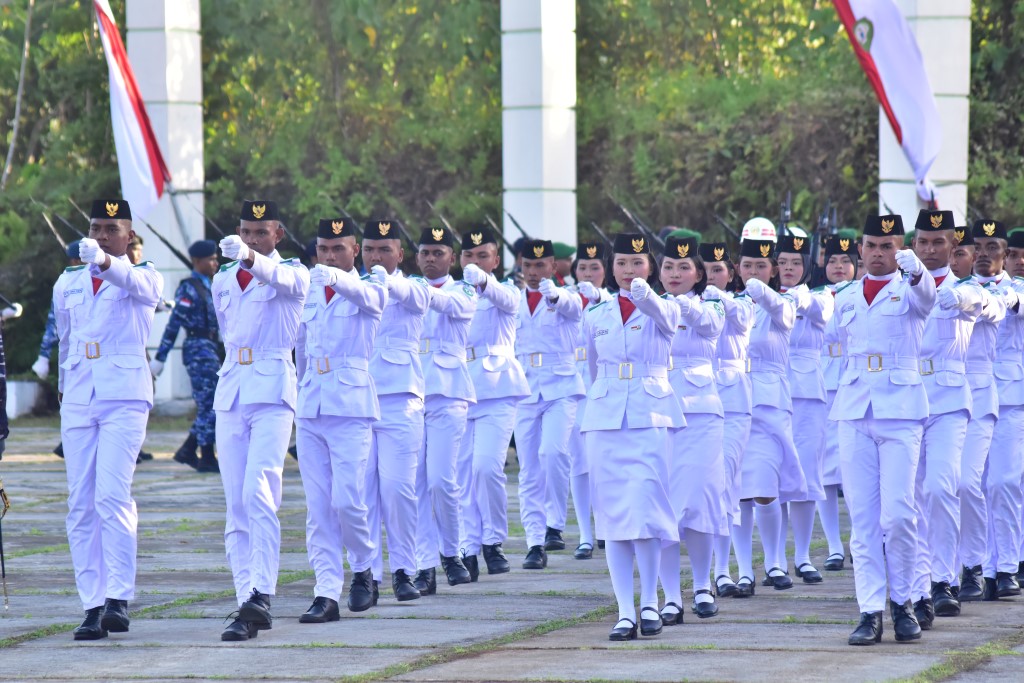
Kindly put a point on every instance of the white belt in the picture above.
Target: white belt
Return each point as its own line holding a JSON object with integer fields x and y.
{"x": 505, "y": 350}
{"x": 631, "y": 370}
{"x": 397, "y": 344}
{"x": 978, "y": 367}
{"x": 735, "y": 364}
{"x": 94, "y": 349}
{"x": 328, "y": 364}
{"x": 245, "y": 355}
{"x": 763, "y": 365}
{"x": 688, "y": 362}
{"x": 537, "y": 360}
{"x": 428, "y": 345}
{"x": 876, "y": 362}
{"x": 581, "y": 353}
{"x": 833, "y": 350}
{"x": 929, "y": 366}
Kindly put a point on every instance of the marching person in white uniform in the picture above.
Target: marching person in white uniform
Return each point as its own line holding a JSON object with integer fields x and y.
{"x": 882, "y": 405}
{"x": 697, "y": 483}
{"x": 390, "y": 486}
{"x": 337, "y": 406}
{"x": 449, "y": 393}
{"x": 629, "y": 412}
{"x": 500, "y": 384}
{"x": 104, "y": 312}
{"x": 546, "y": 341}
{"x": 258, "y": 298}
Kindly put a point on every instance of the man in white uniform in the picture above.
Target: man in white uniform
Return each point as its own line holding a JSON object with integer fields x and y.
{"x": 104, "y": 312}
{"x": 259, "y": 300}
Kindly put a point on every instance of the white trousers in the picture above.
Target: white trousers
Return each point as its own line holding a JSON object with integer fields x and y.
{"x": 1003, "y": 474}
{"x": 938, "y": 507}
{"x": 436, "y": 485}
{"x": 810, "y": 443}
{"x": 542, "y": 445}
{"x": 101, "y": 442}
{"x": 878, "y": 458}
{"x": 390, "y": 487}
{"x": 973, "y": 503}
{"x": 830, "y": 475}
{"x": 335, "y": 451}
{"x": 252, "y": 442}
{"x": 481, "y": 473}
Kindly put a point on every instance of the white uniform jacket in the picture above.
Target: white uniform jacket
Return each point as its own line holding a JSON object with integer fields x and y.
{"x": 395, "y": 365}
{"x": 813, "y": 312}
{"x": 546, "y": 342}
{"x": 581, "y": 351}
{"x": 833, "y": 356}
{"x": 691, "y": 372}
{"x": 981, "y": 353}
{"x": 1008, "y": 368}
{"x": 445, "y": 338}
{"x": 769, "y": 350}
{"x": 944, "y": 348}
{"x": 731, "y": 374}
{"x": 491, "y": 349}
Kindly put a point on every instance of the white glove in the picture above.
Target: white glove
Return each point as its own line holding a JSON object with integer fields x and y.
{"x": 639, "y": 289}
{"x": 1011, "y": 297}
{"x": 326, "y": 276}
{"x": 755, "y": 288}
{"x": 235, "y": 249}
{"x": 801, "y": 296}
{"x": 379, "y": 274}
{"x": 156, "y": 367}
{"x": 89, "y": 251}
{"x": 12, "y": 311}
{"x": 473, "y": 275}
{"x": 909, "y": 263}
{"x": 712, "y": 292}
{"x": 947, "y": 298}
{"x": 41, "y": 367}
{"x": 549, "y": 289}
{"x": 685, "y": 303}
{"x": 588, "y": 290}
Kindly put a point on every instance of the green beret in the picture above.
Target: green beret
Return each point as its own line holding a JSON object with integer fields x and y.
{"x": 563, "y": 250}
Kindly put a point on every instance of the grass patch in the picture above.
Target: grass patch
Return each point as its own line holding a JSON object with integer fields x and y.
{"x": 41, "y": 550}
{"x": 962, "y": 661}
{"x": 51, "y": 630}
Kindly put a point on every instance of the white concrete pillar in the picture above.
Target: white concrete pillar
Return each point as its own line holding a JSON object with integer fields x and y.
{"x": 164, "y": 49}
{"x": 943, "y": 31}
{"x": 538, "y": 96}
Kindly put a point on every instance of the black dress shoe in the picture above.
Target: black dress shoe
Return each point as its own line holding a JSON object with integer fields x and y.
{"x": 553, "y": 539}
{"x": 208, "y": 462}
{"x": 472, "y": 565}
{"x": 426, "y": 581}
{"x": 989, "y": 593}
{"x": 91, "y": 628}
{"x": 455, "y": 570}
{"x": 704, "y": 610}
{"x": 1006, "y": 585}
{"x": 403, "y": 586}
{"x": 186, "y": 453}
{"x": 725, "y": 588}
{"x": 600, "y": 543}
{"x": 627, "y": 630}
{"x": 321, "y": 611}
{"x": 868, "y": 631}
{"x": 943, "y": 601}
{"x": 294, "y": 451}
{"x": 59, "y": 450}
{"x": 808, "y": 573}
{"x": 781, "y": 581}
{"x": 652, "y": 626}
{"x": 745, "y": 588}
{"x": 256, "y": 611}
{"x": 584, "y": 551}
{"x": 145, "y": 455}
{"x": 834, "y": 562}
{"x": 1020, "y": 572}
{"x": 536, "y": 558}
{"x": 495, "y": 559}
{"x": 904, "y": 623}
{"x": 115, "y": 616}
{"x": 376, "y": 592}
{"x": 239, "y": 630}
{"x": 671, "y": 617}
{"x": 360, "y": 592}
{"x": 924, "y": 612}
{"x": 970, "y": 584}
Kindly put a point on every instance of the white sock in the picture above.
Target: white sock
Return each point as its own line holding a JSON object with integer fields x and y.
{"x": 580, "y": 486}
{"x": 743, "y": 540}
{"x": 648, "y": 561}
{"x": 828, "y": 512}
{"x": 769, "y": 518}
{"x": 802, "y": 517}
{"x": 782, "y": 560}
{"x": 698, "y": 549}
{"x": 669, "y": 574}
{"x": 722, "y": 547}
{"x": 619, "y": 555}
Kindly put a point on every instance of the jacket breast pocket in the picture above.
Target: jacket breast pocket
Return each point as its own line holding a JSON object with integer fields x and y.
{"x": 128, "y": 362}
{"x": 309, "y": 312}
{"x": 598, "y": 390}
{"x": 115, "y": 301}
{"x": 564, "y": 369}
{"x": 223, "y": 300}
{"x": 898, "y": 307}
{"x": 846, "y": 317}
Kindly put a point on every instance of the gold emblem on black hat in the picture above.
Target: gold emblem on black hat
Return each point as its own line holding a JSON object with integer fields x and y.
{"x": 844, "y": 245}
{"x": 337, "y": 227}
{"x": 959, "y": 235}
{"x": 936, "y": 219}
{"x": 477, "y": 238}
{"x": 638, "y": 245}
{"x": 683, "y": 250}
{"x": 592, "y": 252}
{"x": 798, "y": 243}
{"x": 766, "y": 249}
{"x": 719, "y": 253}
{"x": 258, "y": 210}
{"x": 989, "y": 228}
{"x": 437, "y": 234}
{"x": 384, "y": 229}
{"x": 538, "y": 251}
{"x": 888, "y": 225}
{"x": 111, "y": 209}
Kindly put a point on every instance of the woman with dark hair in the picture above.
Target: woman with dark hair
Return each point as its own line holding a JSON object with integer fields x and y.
{"x": 771, "y": 467}
{"x": 733, "y": 384}
{"x": 629, "y": 411}
{"x": 807, "y": 388}
{"x": 698, "y": 469}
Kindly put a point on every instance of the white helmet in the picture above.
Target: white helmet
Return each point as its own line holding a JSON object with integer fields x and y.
{"x": 759, "y": 229}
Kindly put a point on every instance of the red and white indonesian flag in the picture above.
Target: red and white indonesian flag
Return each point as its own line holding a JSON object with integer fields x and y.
{"x": 142, "y": 167}
{"x": 890, "y": 57}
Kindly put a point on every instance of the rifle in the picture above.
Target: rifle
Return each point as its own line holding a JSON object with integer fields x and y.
{"x": 5, "y": 505}
{"x": 885, "y": 204}
{"x": 209, "y": 222}
{"x": 497, "y": 231}
{"x": 516, "y": 223}
{"x": 443, "y": 220}
{"x": 785, "y": 214}
{"x": 174, "y": 250}
{"x": 601, "y": 232}
{"x": 56, "y": 234}
{"x": 643, "y": 229}
{"x": 728, "y": 228}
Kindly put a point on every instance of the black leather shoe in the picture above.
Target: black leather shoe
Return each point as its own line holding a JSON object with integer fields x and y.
{"x": 943, "y": 601}
{"x": 145, "y": 455}
{"x": 472, "y": 565}
{"x": 652, "y": 626}
{"x": 256, "y": 611}
{"x": 600, "y": 543}
{"x": 239, "y": 630}
{"x": 376, "y": 592}
{"x": 360, "y": 592}
{"x": 455, "y": 570}
{"x": 970, "y": 584}
{"x": 59, "y": 450}
{"x": 208, "y": 462}
{"x": 834, "y": 562}
{"x": 584, "y": 551}
{"x": 321, "y": 611}
{"x": 780, "y": 582}
{"x": 294, "y": 451}
{"x": 724, "y": 586}
{"x": 625, "y": 631}
{"x": 745, "y": 588}
{"x": 1006, "y": 585}
{"x": 924, "y": 612}
{"x": 989, "y": 593}
{"x": 91, "y": 628}
{"x": 868, "y": 631}
{"x": 495, "y": 559}
{"x": 704, "y": 610}
{"x": 186, "y": 453}
{"x": 426, "y": 581}
{"x": 1020, "y": 572}
{"x": 808, "y": 573}
{"x": 671, "y": 617}
{"x": 904, "y": 623}
{"x": 536, "y": 558}
{"x": 115, "y": 616}
{"x": 553, "y": 539}
{"x": 403, "y": 586}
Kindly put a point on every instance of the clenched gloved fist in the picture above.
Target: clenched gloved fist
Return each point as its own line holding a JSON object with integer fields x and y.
{"x": 89, "y": 252}
{"x": 909, "y": 263}
{"x": 588, "y": 290}
{"x": 549, "y": 289}
{"x": 473, "y": 275}
{"x": 948, "y": 298}
{"x": 156, "y": 367}
{"x": 41, "y": 367}
{"x": 755, "y": 288}
{"x": 235, "y": 249}
{"x": 12, "y": 311}
{"x": 379, "y": 274}
{"x": 712, "y": 292}
{"x": 639, "y": 289}
{"x": 324, "y": 276}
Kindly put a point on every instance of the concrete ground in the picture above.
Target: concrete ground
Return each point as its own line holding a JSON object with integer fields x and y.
{"x": 523, "y": 626}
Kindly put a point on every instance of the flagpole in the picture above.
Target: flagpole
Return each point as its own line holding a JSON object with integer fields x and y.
{"x": 178, "y": 216}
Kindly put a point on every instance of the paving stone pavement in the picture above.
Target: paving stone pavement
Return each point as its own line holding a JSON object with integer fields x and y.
{"x": 523, "y": 626}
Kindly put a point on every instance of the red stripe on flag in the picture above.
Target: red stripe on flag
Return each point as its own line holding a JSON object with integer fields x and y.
{"x": 120, "y": 55}
{"x": 867, "y": 63}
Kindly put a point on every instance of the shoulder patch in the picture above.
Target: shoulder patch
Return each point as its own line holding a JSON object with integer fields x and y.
{"x": 848, "y": 284}
{"x": 468, "y": 291}
{"x": 71, "y": 269}
{"x": 227, "y": 266}
{"x": 596, "y": 306}
{"x": 1018, "y": 278}
{"x": 144, "y": 264}
{"x": 291, "y": 262}
{"x": 664, "y": 296}
{"x": 365, "y": 277}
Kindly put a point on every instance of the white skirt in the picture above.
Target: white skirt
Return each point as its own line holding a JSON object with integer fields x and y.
{"x": 830, "y": 475}
{"x": 737, "y": 431}
{"x": 629, "y": 479}
{"x": 809, "y": 440}
{"x": 771, "y": 467}
{"x": 699, "y": 487}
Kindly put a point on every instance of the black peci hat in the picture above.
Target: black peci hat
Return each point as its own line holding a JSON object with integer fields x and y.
{"x": 110, "y": 208}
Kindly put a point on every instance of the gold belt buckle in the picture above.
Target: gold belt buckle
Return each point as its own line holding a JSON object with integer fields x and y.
{"x": 747, "y": 361}
{"x": 92, "y": 350}
{"x": 536, "y": 360}
{"x": 628, "y": 367}
{"x": 581, "y": 353}
{"x": 323, "y": 366}
{"x": 424, "y": 346}
{"x": 245, "y": 356}
{"x": 874, "y": 357}
{"x": 470, "y": 353}
{"x": 835, "y": 350}
{"x": 929, "y": 364}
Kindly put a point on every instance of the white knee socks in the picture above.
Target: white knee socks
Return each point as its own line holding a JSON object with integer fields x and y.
{"x": 620, "y": 565}
{"x": 769, "y": 518}
{"x": 580, "y": 486}
{"x": 743, "y": 539}
{"x": 828, "y": 511}
{"x": 648, "y": 561}
{"x": 698, "y": 549}
{"x": 802, "y": 517}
